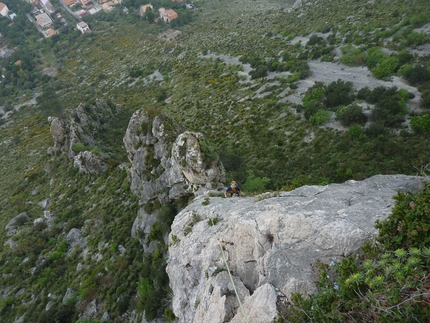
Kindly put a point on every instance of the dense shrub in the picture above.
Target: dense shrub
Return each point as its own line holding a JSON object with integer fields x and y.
{"x": 255, "y": 184}
{"x": 390, "y": 103}
{"x": 352, "y": 56}
{"x": 421, "y": 124}
{"x": 351, "y": 114}
{"x": 417, "y": 75}
{"x": 409, "y": 224}
{"x": 375, "y": 129}
{"x": 390, "y": 112}
{"x": 314, "y": 40}
{"x": 259, "y": 72}
{"x": 356, "y": 131}
{"x": 386, "y": 67}
{"x": 375, "y": 55}
{"x": 320, "y": 117}
{"x": 425, "y": 100}
{"x": 338, "y": 93}
{"x": 302, "y": 67}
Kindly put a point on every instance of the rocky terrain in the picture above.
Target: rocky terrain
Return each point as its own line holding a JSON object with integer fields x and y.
{"x": 270, "y": 244}
{"x": 113, "y": 168}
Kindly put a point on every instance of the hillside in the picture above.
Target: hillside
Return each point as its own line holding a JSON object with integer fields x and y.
{"x": 285, "y": 93}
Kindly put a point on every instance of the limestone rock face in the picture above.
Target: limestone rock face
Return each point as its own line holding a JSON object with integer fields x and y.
{"x": 197, "y": 163}
{"x": 221, "y": 303}
{"x": 165, "y": 163}
{"x": 58, "y": 132}
{"x": 270, "y": 244}
{"x": 260, "y": 307}
{"x": 141, "y": 228}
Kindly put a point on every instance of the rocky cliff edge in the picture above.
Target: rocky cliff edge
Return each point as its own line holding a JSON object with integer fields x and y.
{"x": 270, "y": 245}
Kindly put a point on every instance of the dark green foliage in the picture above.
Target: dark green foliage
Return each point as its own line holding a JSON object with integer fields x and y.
{"x": 184, "y": 17}
{"x": 234, "y": 165}
{"x": 338, "y": 93}
{"x": 352, "y": 114}
{"x": 390, "y": 106}
{"x": 49, "y": 103}
{"x": 404, "y": 57}
{"x": 259, "y": 72}
{"x": 58, "y": 313}
{"x": 417, "y": 75}
{"x": 421, "y": 124}
{"x": 390, "y": 112}
{"x": 375, "y": 129}
{"x": 208, "y": 150}
{"x": 153, "y": 285}
{"x": 314, "y": 40}
{"x": 409, "y": 224}
{"x": 425, "y": 100}
{"x": 255, "y": 184}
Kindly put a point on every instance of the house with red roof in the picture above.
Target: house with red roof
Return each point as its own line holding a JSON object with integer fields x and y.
{"x": 4, "y": 10}
{"x": 167, "y": 15}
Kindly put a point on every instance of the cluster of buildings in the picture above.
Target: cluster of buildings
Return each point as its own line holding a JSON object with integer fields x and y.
{"x": 41, "y": 11}
{"x": 91, "y": 6}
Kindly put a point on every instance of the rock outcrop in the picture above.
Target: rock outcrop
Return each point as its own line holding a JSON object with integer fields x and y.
{"x": 17, "y": 221}
{"x": 270, "y": 245}
{"x": 89, "y": 163}
{"x": 167, "y": 163}
{"x": 81, "y": 129}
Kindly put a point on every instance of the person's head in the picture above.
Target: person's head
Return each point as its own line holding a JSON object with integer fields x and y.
{"x": 233, "y": 183}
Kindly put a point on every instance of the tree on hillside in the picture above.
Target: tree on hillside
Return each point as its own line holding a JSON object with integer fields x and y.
{"x": 417, "y": 75}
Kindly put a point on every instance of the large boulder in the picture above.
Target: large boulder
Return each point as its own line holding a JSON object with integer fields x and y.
{"x": 58, "y": 132}
{"x": 16, "y": 222}
{"x": 271, "y": 244}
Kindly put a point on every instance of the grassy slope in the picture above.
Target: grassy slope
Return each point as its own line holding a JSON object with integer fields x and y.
{"x": 205, "y": 95}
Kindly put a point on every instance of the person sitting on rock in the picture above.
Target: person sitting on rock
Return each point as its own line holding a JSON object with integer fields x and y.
{"x": 233, "y": 189}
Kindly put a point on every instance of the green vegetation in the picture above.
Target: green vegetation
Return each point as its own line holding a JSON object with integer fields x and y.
{"x": 386, "y": 282}
{"x": 198, "y": 79}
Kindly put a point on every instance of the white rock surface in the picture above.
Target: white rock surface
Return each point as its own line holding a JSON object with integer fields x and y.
{"x": 271, "y": 244}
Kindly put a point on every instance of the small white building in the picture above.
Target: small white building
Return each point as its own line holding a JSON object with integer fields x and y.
{"x": 4, "y": 10}
{"x": 83, "y": 27}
